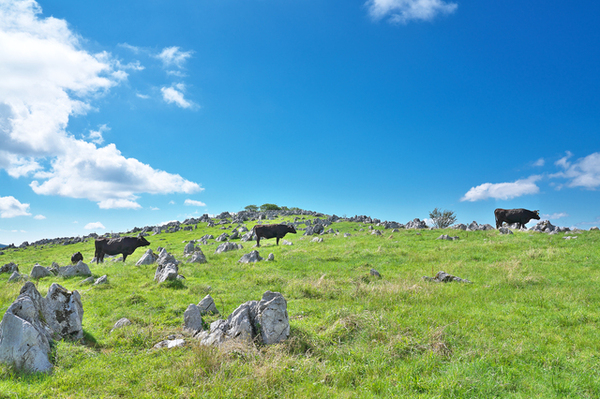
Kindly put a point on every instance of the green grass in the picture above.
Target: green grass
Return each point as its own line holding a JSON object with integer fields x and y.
{"x": 527, "y": 327}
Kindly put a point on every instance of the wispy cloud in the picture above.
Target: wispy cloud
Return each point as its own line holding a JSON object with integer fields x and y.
{"x": 174, "y": 95}
{"x": 11, "y": 207}
{"x": 190, "y": 202}
{"x": 38, "y": 96}
{"x": 39, "y": 217}
{"x": 403, "y": 11}
{"x": 584, "y": 172}
{"x": 96, "y": 136}
{"x": 503, "y": 191}
{"x": 173, "y": 56}
{"x": 555, "y": 216}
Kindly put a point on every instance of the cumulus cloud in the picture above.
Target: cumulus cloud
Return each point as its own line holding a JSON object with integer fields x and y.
{"x": 10, "y": 207}
{"x": 46, "y": 78}
{"x": 403, "y": 11}
{"x": 95, "y": 226}
{"x": 503, "y": 191}
{"x": 584, "y": 172}
{"x": 39, "y": 217}
{"x": 190, "y": 202}
{"x": 96, "y": 136}
{"x": 174, "y": 95}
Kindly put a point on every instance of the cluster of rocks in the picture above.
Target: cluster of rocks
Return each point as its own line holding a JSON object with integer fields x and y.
{"x": 168, "y": 268}
{"x": 265, "y": 321}
{"x": 38, "y": 271}
{"x": 32, "y": 323}
{"x": 474, "y": 226}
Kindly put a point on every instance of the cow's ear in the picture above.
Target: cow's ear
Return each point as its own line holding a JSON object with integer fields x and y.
{"x": 537, "y": 213}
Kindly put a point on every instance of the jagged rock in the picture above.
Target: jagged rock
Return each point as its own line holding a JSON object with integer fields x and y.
{"x": 595, "y": 228}
{"x": 198, "y": 257}
{"x": 347, "y": 235}
{"x": 266, "y": 320}
{"x": 234, "y": 235}
{"x": 25, "y": 338}
{"x": 63, "y": 312}
{"x": 251, "y": 257}
{"x": 122, "y": 322}
{"x": 447, "y": 237}
{"x": 192, "y": 319}
{"x": 271, "y": 257}
{"x": 286, "y": 242}
{"x": 443, "y": 277}
{"x": 544, "y": 226}
{"x": 147, "y": 258}
{"x": 89, "y": 280}
{"x": 505, "y": 230}
{"x": 39, "y": 272}
{"x": 101, "y": 280}
{"x": 167, "y": 269}
{"x": 459, "y": 226}
{"x": 80, "y": 269}
{"x": 16, "y": 277}
{"x": 249, "y": 236}
{"x": 223, "y": 237}
{"x": 317, "y": 239}
{"x": 376, "y": 232}
{"x": 227, "y": 246}
{"x": 416, "y": 224}
{"x": 207, "y": 305}
{"x": 9, "y": 268}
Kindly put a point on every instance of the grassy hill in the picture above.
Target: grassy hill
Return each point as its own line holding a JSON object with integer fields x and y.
{"x": 528, "y": 325}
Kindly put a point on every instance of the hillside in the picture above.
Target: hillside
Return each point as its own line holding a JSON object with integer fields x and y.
{"x": 526, "y": 325}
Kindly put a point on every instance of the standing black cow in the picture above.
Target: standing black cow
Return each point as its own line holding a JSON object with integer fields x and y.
{"x": 76, "y": 257}
{"x": 272, "y": 230}
{"x": 510, "y": 216}
{"x": 120, "y": 245}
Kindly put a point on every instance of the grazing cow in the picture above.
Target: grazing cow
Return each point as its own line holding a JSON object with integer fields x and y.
{"x": 76, "y": 257}
{"x": 272, "y": 230}
{"x": 510, "y": 216}
{"x": 120, "y": 245}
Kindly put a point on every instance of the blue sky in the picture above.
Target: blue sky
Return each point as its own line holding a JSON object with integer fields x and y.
{"x": 121, "y": 114}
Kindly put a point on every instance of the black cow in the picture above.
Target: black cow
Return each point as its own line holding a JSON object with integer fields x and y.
{"x": 120, "y": 245}
{"x": 510, "y": 216}
{"x": 76, "y": 257}
{"x": 272, "y": 230}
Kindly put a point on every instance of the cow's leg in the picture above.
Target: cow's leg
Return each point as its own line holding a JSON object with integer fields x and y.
{"x": 124, "y": 257}
{"x": 277, "y": 240}
{"x": 257, "y": 241}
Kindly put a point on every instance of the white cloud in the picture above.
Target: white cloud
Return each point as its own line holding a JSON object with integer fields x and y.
{"x": 96, "y": 136}
{"x": 172, "y": 56}
{"x": 174, "y": 94}
{"x": 95, "y": 226}
{"x": 402, "y": 11}
{"x": 39, "y": 217}
{"x": 10, "y": 207}
{"x": 47, "y": 77}
{"x": 555, "y": 216}
{"x": 503, "y": 191}
{"x": 540, "y": 162}
{"x": 585, "y": 172}
{"x": 194, "y": 203}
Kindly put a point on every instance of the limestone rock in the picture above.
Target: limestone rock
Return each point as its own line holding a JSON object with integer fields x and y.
{"x": 147, "y": 258}
{"x": 446, "y": 237}
{"x": 251, "y": 257}
{"x": 227, "y": 246}
{"x": 443, "y": 277}
{"x": 63, "y": 312}
{"x": 198, "y": 257}
{"x": 39, "y": 272}
{"x": 266, "y": 320}
{"x": 9, "y": 268}
{"x": 207, "y": 305}
{"x": 80, "y": 269}
{"x": 122, "y": 322}
{"x": 192, "y": 319}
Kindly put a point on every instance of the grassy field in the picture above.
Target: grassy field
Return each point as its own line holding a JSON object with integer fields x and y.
{"x": 527, "y": 327}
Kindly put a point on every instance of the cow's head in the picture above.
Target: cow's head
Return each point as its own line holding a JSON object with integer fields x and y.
{"x": 291, "y": 229}
{"x": 142, "y": 242}
{"x": 537, "y": 215}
